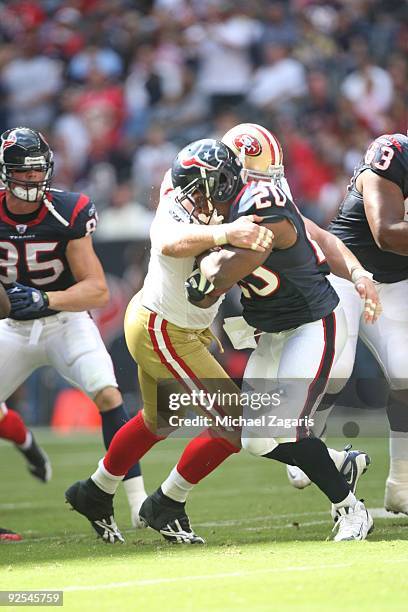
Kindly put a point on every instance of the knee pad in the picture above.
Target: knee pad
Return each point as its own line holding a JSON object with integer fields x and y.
{"x": 258, "y": 446}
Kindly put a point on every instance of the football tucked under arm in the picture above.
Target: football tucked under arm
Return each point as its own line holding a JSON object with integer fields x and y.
{"x": 200, "y": 291}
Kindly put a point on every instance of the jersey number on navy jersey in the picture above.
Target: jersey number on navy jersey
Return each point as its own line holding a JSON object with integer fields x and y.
{"x": 265, "y": 281}
{"x": 385, "y": 159}
{"x": 9, "y": 261}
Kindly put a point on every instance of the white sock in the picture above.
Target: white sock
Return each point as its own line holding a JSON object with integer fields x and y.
{"x": 337, "y": 456}
{"x": 320, "y": 418}
{"x": 135, "y": 491}
{"x": 398, "y": 445}
{"x": 176, "y": 487}
{"x": 27, "y": 442}
{"x": 349, "y": 501}
{"x": 398, "y": 456}
{"x": 105, "y": 480}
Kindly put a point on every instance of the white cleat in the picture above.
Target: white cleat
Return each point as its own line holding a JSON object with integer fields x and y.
{"x": 297, "y": 477}
{"x": 353, "y": 523}
{"x": 396, "y": 496}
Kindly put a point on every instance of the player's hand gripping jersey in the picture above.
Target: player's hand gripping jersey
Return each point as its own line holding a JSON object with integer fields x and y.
{"x": 387, "y": 156}
{"x": 290, "y": 288}
{"x": 33, "y": 246}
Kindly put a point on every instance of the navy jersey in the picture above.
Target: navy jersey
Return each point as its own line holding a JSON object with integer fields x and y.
{"x": 387, "y": 156}
{"x": 33, "y": 246}
{"x": 290, "y": 288}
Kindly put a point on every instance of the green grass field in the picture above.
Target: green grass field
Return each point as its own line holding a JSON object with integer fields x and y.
{"x": 266, "y": 547}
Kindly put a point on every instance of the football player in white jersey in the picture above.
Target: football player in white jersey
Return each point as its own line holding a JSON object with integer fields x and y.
{"x": 168, "y": 337}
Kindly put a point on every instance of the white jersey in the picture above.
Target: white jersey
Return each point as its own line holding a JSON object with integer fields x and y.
{"x": 163, "y": 289}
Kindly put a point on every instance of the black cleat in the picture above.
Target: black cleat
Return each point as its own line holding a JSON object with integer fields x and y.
{"x": 7, "y": 534}
{"x": 97, "y": 506}
{"x": 169, "y": 518}
{"x": 38, "y": 463}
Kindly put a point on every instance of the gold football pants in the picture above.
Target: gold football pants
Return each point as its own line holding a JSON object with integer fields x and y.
{"x": 178, "y": 361}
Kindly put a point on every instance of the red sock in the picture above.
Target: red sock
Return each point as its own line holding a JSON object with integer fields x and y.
{"x": 202, "y": 455}
{"x": 128, "y": 445}
{"x": 12, "y": 427}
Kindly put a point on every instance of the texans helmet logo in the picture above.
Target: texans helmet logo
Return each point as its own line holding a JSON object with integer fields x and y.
{"x": 9, "y": 141}
{"x": 200, "y": 159}
{"x": 251, "y": 145}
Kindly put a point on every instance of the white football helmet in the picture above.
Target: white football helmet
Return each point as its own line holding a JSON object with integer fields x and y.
{"x": 258, "y": 150}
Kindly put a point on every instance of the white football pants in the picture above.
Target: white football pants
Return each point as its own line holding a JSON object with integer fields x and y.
{"x": 68, "y": 341}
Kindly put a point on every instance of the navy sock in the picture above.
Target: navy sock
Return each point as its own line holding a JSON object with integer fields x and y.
{"x": 112, "y": 420}
{"x": 311, "y": 455}
{"x": 397, "y": 413}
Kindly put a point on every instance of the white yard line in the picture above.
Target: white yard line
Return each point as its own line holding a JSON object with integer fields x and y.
{"x": 175, "y": 579}
{"x": 25, "y": 505}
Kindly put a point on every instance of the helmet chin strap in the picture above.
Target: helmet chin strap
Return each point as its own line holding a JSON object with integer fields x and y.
{"x": 207, "y": 190}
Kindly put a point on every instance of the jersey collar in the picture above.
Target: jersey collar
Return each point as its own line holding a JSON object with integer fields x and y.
{"x": 42, "y": 212}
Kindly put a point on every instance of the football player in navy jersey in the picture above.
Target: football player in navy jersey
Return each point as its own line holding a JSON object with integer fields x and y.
{"x": 53, "y": 278}
{"x": 287, "y": 298}
{"x": 372, "y": 221}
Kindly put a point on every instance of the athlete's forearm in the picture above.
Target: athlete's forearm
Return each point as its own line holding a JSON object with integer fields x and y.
{"x": 190, "y": 240}
{"x": 226, "y": 267}
{"x": 341, "y": 260}
{"x": 84, "y": 295}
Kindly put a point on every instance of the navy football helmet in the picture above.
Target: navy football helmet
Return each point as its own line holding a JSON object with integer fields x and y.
{"x": 23, "y": 149}
{"x": 209, "y": 167}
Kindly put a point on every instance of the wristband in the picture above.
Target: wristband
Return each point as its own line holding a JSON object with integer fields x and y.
{"x": 219, "y": 235}
{"x": 357, "y": 273}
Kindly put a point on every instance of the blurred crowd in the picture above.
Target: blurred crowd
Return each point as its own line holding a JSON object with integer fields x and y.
{"x": 118, "y": 86}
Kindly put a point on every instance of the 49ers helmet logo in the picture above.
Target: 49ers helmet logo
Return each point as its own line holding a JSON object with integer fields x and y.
{"x": 251, "y": 145}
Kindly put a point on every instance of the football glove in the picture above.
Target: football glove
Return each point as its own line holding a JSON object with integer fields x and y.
{"x": 26, "y": 302}
{"x": 197, "y": 286}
